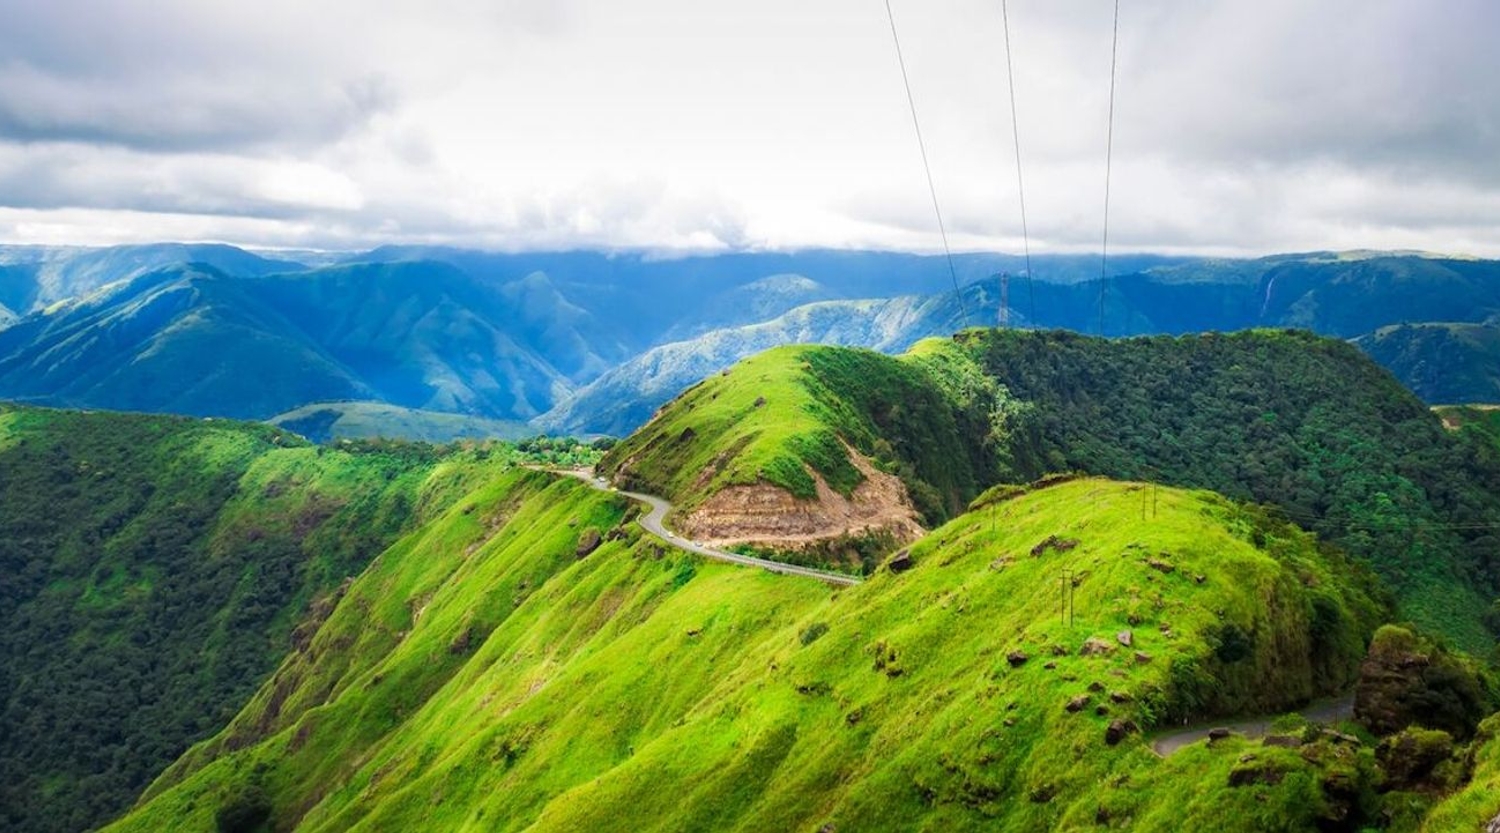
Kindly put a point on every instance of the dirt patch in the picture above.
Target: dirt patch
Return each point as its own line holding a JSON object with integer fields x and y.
{"x": 768, "y": 516}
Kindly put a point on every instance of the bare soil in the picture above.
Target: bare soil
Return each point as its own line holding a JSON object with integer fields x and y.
{"x": 768, "y": 516}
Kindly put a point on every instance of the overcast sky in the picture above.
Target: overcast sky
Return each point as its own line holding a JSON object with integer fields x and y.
{"x": 1241, "y": 126}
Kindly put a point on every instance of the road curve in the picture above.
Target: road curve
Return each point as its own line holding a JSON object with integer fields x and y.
{"x": 653, "y": 520}
{"x": 1325, "y": 712}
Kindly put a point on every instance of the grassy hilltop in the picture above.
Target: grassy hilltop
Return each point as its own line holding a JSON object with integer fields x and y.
{"x": 501, "y": 682}
{"x": 1283, "y": 418}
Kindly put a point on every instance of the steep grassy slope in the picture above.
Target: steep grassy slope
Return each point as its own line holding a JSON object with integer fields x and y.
{"x": 151, "y": 571}
{"x": 481, "y": 675}
{"x": 783, "y": 414}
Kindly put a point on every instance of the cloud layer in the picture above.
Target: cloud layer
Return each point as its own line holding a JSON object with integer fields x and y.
{"x": 1240, "y": 127}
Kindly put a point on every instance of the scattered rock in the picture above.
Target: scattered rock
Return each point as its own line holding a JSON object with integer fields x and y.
{"x": 1078, "y": 704}
{"x": 1096, "y": 686}
{"x": 1052, "y": 542}
{"x": 1125, "y": 638}
{"x": 587, "y": 542}
{"x": 1101, "y": 710}
{"x": 1217, "y": 733}
{"x": 1058, "y": 650}
{"x": 1159, "y": 565}
{"x": 760, "y": 401}
{"x": 1117, "y": 730}
{"x": 1340, "y": 737}
{"x": 1001, "y": 563}
{"x": 1049, "y": 666}
{"x": 1008, "y": 722}
{"x": 693, "y": 633}
{"x": 1249, "y": 775}
{"x": 1199, "y": 578}
{"x": 1094, "y": 646}
{"x": 900, "y": 562}
{"x": 687, "y": 435}
{"x": 1017, "y": 658}
{"x": 1142, "y": 657}
{"x": 1042, "y": 793}
{"x": 460, "y": 643}
{"x": 1119, "y": 697}
{"x": 1494, "y": 825}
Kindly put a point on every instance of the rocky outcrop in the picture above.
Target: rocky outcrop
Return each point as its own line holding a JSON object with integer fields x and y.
{"x": 587, "y": 542}
{"x": 767, "y": 515}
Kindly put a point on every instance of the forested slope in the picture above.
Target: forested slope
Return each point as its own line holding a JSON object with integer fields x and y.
{"x": 152, "y": 571}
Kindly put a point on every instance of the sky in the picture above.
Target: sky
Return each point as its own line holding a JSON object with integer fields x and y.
{"x": 1241, "y": 127}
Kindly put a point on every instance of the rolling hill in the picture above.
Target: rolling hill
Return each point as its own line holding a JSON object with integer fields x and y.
{"x": 1278, "y": 417}
{"x": 502, "y": 682}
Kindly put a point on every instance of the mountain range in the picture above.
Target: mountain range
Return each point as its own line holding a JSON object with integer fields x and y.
{"x": 593, "y": 343}
{"x": 218, "y": 626}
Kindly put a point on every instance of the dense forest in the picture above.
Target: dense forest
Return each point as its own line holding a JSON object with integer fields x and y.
{"x": 152, "y": 571}
{"x": 1286, "y": 418}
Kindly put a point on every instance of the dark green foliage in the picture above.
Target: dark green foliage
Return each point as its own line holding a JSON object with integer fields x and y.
{"x": 1285, "y": 418}
{"x": 1408, "y": 679}
{"x": 811, "y": 633}
{"x": 245, "y": 811}
{"x": 149, "y": 581}
{"x": 897, "y": 413}
{"x": 1232, "y": 643}
{"x": 564, "y": 452}
{"x": 1442, "y": 363}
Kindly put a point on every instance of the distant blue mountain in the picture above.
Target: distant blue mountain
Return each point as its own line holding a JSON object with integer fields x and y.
{"x": 594, "y": 342}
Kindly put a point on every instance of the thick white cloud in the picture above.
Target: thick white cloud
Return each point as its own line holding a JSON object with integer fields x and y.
{"x": 1241, "y": 127}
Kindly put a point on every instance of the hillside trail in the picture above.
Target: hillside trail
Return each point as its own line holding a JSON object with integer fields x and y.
{"x": 654, "y": 522}
{"x": 1325, "y": 712}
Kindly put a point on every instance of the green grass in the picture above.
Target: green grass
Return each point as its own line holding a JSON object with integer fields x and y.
{"x": 478, "y": 676}
{"x": 1478, "y": 803}
{"x": 784, "y": 414}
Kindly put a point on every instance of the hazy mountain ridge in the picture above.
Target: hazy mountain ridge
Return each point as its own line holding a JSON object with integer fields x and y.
{"x": 592, "y": 342}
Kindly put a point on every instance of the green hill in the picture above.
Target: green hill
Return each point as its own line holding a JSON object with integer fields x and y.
{"x": 152, "y": 571}
{"x": 1283, "y": 418}
{"x": 1442, "y": 363}
{"x": 498, "y": 681}
{"x": 780, "y": 417}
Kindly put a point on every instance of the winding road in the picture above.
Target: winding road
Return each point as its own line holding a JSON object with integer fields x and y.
{"x": 653, "y": 522}
{"x": 1325, "y": 712}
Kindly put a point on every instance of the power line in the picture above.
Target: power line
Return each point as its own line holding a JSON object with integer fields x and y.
{"x": 922, "y": 146}
{"x": 1109, "y": 146}
{"x": 1015, "y": 132}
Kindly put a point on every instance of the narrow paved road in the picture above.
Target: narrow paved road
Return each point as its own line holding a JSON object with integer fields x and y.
{"x": 652, "y": 521}
{"x": 1325, "y": 712}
